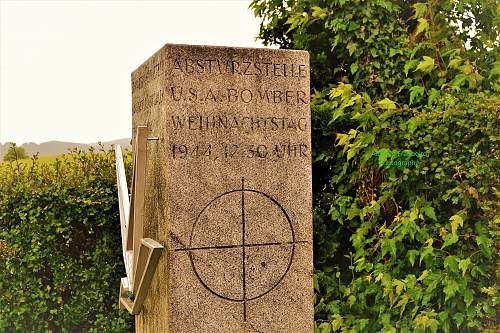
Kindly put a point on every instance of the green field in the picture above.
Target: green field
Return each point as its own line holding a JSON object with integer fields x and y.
{"x": 52, "y": 158}
{"x": 29, "y": 161}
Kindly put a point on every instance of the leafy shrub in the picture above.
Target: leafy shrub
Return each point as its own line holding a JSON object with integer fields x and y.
{"x": 60, "y": 248}
{"x": 411, "y": 249}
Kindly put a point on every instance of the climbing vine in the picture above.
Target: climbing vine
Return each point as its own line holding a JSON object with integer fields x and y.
{"x": 405, "y": 115}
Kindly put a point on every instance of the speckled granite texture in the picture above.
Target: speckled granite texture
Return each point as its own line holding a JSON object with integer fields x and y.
{"x": 228, "y": 189}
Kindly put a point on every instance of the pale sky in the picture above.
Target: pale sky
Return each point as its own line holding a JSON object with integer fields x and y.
{"x": 65, "y": 65}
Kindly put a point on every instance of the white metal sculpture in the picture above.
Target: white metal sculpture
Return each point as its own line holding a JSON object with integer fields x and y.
{"x": 140, "y": 255}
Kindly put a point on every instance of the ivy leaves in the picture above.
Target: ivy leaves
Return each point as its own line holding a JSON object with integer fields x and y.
{"x": 401, "y": 249}
{"x": 426, "y": 65}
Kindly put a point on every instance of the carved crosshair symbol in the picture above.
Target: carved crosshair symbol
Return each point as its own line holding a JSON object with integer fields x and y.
{"x": 252, "y": 287}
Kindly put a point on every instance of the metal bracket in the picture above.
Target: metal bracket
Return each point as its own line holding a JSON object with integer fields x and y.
{"x": 140, "y": 254}
{"x": 149, "y": 254}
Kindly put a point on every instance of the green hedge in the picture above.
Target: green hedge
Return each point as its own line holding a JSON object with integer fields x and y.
{"x": 60, "y": 248}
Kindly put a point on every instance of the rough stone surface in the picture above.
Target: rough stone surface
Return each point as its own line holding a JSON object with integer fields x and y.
{"x": 228, "y": 189}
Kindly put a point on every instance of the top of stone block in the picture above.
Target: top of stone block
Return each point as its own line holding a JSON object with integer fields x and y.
{"x": 237, "y": 49}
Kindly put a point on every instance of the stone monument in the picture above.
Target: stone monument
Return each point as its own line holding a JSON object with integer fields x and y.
{"x": 221, "y": 205}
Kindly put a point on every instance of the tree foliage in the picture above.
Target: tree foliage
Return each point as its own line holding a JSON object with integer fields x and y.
{"x": 60, "y": 247}
{"x": 15, "y": 153}
{"x": 410, "y": 249}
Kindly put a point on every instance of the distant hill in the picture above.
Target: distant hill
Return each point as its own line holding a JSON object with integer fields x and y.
{"x": 51, "y": 148}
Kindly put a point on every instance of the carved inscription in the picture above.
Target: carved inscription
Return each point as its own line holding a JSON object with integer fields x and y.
{"x": 224, "y": 151}
{"x": 219, "y": 96}
{"x": 240, "y": 67}
{"x": 187, "y": 66}
{"x": 148, "y": 72}
{"x": 242, "y": 123}
{"x": 212, "y": 100}
{"x": 235, "y": 95}
{"x": 149, "y": 101}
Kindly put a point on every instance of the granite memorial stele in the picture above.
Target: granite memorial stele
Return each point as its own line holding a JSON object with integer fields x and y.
{"x": 217, "y": 233}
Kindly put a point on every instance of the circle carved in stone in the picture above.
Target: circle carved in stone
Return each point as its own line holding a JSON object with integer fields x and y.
{"x": 242, "y": 245}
